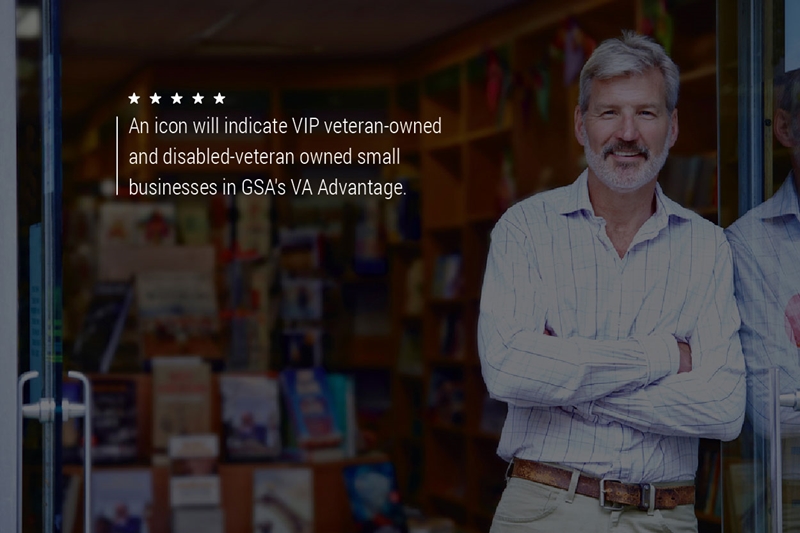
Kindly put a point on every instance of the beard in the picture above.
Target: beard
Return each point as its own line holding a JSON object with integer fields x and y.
{"x": 625, "y": 177}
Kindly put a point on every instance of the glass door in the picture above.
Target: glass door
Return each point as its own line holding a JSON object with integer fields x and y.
{"x": 759, "y": 87}
{"x": 35, "y": 249}
{"x": 38, "y": 249}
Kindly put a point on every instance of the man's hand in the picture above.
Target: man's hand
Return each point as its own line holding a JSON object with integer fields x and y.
{"x": 686, "y": 357}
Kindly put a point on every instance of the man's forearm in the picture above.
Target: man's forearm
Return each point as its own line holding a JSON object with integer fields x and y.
{"x": 706, "y": 404}
{"x": 530, "y": 369}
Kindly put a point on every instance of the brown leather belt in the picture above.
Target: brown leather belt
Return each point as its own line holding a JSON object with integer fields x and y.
{"x": 614, "y": 492}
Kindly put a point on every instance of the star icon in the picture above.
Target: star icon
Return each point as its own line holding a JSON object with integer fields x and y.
{"x": 155, "y": 99}
{"x": 176, "y": 98}
{"x": 219, "y": 98}
{"x": 134, "y": 98}
{"x": 198, "y": 99}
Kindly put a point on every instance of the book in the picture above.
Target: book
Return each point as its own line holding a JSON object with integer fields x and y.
{"x": 254, "y": 226}
{"x": 115, "y": 433}
{"x": 193, "y": 222}
{"x": 198, "y": 520}
{"x": 447, "y": 277}
{"x": 250, "y": 417}
{"x": 374, "y": 498}
{"x": 310, "y": 408}
{"x": 181, "y": 398}
{"x": 446, "y": 397}
{"x": 302, "y": 347}
{"x": 194, "y": 478}
{"x": 103, "y": 323}
{"x": 178, "y": 313}
{"x": 301, "y": 249}
{"x": 122, "y": 501}
{"x": 343, "y": 393}
{"x": 302, "y": 298}
{"x": 130, "y": 223}
{"x": 369, "y": 250}
{"x": 283, "y": 500}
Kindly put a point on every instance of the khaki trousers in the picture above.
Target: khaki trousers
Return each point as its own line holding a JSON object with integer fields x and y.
{"x": 527, "y": 507}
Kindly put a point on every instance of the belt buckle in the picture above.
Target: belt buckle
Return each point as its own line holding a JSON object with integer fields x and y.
{"x": 647, "y": 500}
{"x": 614, "y": 505}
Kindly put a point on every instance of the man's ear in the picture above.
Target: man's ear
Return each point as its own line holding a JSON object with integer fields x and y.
{"x": 674, "y": 128}
{"x": 579, "y": 125}
{"x": 783, "y": 128}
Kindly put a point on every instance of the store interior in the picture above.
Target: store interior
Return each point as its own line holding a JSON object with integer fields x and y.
{"x": 201, "y": 313}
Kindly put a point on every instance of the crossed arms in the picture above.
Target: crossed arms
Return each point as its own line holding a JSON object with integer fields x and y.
{"x": 634, "y": 382}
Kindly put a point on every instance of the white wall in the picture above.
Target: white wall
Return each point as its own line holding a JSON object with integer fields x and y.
{"x": 8, "y": 267}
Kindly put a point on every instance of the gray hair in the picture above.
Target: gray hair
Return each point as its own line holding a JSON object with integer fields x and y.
{"x": 787, "y": 97}
{"x": 630, "y": 54}
{"x": 787, "y": 91}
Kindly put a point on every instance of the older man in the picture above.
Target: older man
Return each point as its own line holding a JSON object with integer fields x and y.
{"x": 608, "y": 322}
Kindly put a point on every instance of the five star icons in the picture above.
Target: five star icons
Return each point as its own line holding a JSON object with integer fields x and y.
{"x": 155, "y": 98}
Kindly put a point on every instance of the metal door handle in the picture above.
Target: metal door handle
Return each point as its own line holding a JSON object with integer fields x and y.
{"x": 44, "y": 410}
{"x": 85, "y": 410}
{"x": 777, "y": 400}
{"x": 23, "y": 379}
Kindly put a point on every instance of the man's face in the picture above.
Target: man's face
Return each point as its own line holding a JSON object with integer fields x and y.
{"x": 627, "y": 131}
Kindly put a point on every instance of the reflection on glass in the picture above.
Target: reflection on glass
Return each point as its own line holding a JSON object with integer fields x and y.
{"x": 765, "y": 243}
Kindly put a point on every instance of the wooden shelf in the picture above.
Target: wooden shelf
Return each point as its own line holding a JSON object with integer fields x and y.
{"x": 331, "y": 506}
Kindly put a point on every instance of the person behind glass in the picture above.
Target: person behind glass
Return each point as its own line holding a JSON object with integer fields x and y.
{"x": 608, "y": 322}
{"x": 765, "y": 244}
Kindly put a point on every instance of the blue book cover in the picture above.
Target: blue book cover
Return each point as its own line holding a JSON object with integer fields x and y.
{"x": 311, "y": 407}
{"x": 374, "y": 498}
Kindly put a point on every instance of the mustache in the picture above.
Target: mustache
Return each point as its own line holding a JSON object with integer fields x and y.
{"x": 626, "y": 147}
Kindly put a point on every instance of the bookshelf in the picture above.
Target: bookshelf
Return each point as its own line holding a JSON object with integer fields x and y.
{"x": 444, "y": 456}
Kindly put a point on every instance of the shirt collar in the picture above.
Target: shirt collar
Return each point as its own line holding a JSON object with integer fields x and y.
{"x": 577, "y": 199}
{"x": 784, "y": 202}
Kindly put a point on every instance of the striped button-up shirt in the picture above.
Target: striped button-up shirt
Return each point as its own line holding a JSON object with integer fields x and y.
{"x": 603, "y": 394}
{"x": 766, "y": 255}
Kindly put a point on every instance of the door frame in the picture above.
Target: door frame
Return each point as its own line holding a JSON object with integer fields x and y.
{"x": 9, "y": 358}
